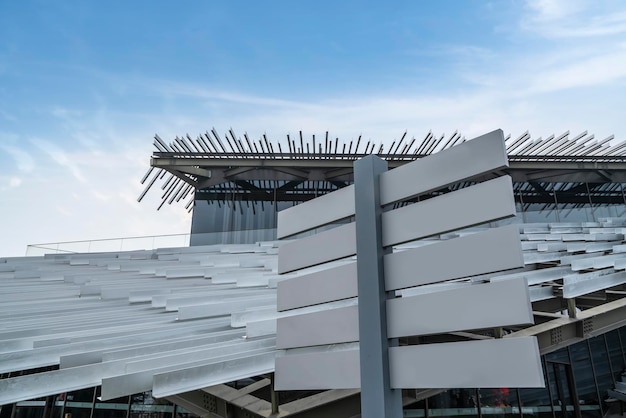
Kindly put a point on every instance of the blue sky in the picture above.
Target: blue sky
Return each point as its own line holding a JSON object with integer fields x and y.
{"x": 85, "y": 85}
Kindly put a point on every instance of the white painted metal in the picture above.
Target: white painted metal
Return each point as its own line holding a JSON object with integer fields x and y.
{"x": 506, "y": 362}
{"x": 141, "y": 379}
{"x": 326, "y": 246}
{"x": 323, "y": 368}
{"x": 472, "y": 307}
{"x": 319, "y": 328}
{"x": 223, "y": 308}
{"x": 578, "y": 285}
{"x": 317, "y": 212}
{"x": 483, "y": 202}
{"x": 486, "y": 153}
{"x": 493, "y": 250}
{"x": 185, "y": 380}
{"x": 473, "y": 205}
{"x": 322, "y": 286}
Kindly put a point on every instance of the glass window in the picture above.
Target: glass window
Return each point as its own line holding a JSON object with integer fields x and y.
{"x": 536, "y": 401}
{"x": 616, "y": 354}
{"x": 454, "y": 402}
{"x": 183, "y": 413}
{"x": 79, "y": 403}
{"x": 29, "y": 411}
{"x": 561, "y": 389}
{"x": 143, "y": 405}
{"x": 114, "y": 408}
{"x": 601, "y": 365}
{"x": 498, "y": 402}
{"x": 585, "y": 383}
{"x": 416, "y": 410}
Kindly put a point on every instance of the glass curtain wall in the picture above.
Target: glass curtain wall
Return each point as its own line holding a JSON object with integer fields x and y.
{"x": 235, "y": 221}
{"x": 593, "y": 201}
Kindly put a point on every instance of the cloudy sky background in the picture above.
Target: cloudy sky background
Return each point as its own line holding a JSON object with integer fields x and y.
{"x": 84, "y": 86}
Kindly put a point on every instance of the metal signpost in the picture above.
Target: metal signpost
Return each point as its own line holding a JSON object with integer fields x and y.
{"x": 333, "y": 342}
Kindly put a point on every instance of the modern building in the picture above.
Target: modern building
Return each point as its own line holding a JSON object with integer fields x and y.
{"x": 184, "y": 331}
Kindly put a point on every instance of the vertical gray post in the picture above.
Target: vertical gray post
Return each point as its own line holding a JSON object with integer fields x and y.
{"x": 378, "y": 399}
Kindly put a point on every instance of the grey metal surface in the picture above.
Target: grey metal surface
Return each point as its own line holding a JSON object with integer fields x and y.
{"x": 513, "y": 362}
{"x": 334, "y": 326}
{"x": 317, "y": 212}
{"x": 483, "y": 252}
{"x": 319, "y": 287}
{"x": 378, "y": 398}
{"x": 320, "y": 248}
{"x": 185, "y": 380}
{"x": 319, "y": 369}
{"x": 473, "y": 205}
{"x": 486, "y": 153}
{"x": 477, "y": 306}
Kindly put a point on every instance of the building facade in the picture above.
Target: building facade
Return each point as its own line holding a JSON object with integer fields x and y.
{"x": 571, "y": 206}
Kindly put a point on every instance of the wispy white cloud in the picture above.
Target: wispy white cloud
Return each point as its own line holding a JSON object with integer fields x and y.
{"x": 9, "y": 182}
{"x": 551, "y": 10}
{"x": 15, "y": 181}
{"x": 594, "y": 70}
{"x": 60, "y": 157}
{"x": 574, "y": 18}
{"x": 23, "y": 159}
{"x": 168, "y": 88}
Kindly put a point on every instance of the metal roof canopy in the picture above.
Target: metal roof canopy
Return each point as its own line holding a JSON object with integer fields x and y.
{"x": 297, "y": 169}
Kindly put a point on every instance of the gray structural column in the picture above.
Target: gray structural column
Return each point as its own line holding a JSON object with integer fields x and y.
{"x": 378, "y": 399}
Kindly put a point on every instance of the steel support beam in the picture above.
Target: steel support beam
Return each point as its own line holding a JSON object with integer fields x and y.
{"x": 378, "y": 399}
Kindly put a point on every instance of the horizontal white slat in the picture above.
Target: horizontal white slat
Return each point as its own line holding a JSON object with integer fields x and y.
{"x": 326, "y": 246}
{"x": 484, "y": 252}
{"x": 193, "y": 378}
{"x": 141, "y": 380}
{"x": 499, "y": 363}
{"x": 223, "y": 308}
{"x": 534, "y": 277}
{"x": 470, "y": 206}
{"x": 466, "y": 207}
{"x": 577, "y": 285}
{"x": 476, "y": 157}
{"x": 538, "y": 293}
{"x": 596, "y": 262}
{"x": 322, "y": 286}
{"x": 472, "y": 307}
{"x": 322, "y": 369}
{"x": 316, "y": 212}
{"x": 318, "y": 328}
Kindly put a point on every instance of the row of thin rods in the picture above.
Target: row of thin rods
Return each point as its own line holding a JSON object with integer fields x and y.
{"x": 212, "y": 145}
